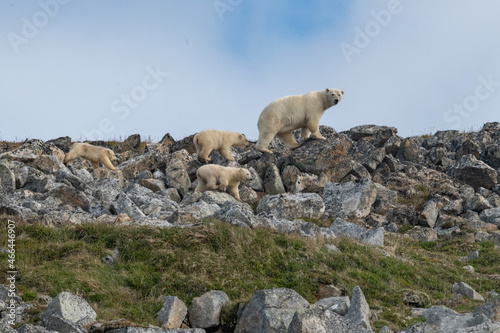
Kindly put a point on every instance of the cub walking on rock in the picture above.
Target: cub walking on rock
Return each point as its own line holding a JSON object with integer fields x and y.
{"x": 208, "y": 140}
{"x": 212, "y": 176}
{"x": 92, "y": 153}
{"x": 288, "y": 113}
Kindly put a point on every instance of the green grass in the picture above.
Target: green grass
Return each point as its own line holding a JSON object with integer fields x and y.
{"x": 216, "y": 256}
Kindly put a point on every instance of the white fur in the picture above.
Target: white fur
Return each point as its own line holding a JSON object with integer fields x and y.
{"x": 288, "y": 113}
{"x": 221, "y": 141}
{"x": 94, "y": 154}
{"x": 212, "y": 176}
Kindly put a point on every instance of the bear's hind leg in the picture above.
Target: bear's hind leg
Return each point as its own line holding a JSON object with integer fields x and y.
{"x": 233, "y": 190}
{"x": 202, "y": 185}
{"x": 287, "y": 137}
{"x": 265, "y": 139}
{"x": 203, "y": 155}
{"x": 107, "y": 163}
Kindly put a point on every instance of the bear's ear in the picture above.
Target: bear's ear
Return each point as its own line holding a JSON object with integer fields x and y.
{"x": 327, "y": 90}
{"x": 342, "y": 92}
{"x": 241, "y": 136}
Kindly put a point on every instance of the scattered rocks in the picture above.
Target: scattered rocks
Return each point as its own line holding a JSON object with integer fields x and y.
{"x": 444, "y": 185}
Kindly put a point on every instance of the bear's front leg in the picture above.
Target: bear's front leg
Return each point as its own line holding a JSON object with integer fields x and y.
{"x": 223, "y": 185}
{"x": 224, "y": 151}
{"x": 233, "y": 190}
{"x": 211, "y": 184}
{"x": 313, "y": 126}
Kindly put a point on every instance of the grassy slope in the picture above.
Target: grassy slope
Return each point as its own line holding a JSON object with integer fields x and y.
{"x": 188, "y": 262}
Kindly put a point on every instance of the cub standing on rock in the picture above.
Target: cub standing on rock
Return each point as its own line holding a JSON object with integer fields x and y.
{"x": 212, "y": 176}
{"x": 288, "y": 113}
{"x": 208, "y": 140}
{"x": 92, "y": 153}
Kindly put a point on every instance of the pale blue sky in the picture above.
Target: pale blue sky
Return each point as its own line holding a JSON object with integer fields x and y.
{"x": 108, "y": 69}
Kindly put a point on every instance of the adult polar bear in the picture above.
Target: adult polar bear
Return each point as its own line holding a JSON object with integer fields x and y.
{"x": 287, "y": 113}
{"x": 94, "y": 154}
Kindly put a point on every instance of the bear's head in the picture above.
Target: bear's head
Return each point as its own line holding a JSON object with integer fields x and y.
{"x": 244, "y": 174}
{"x": 333, "y": 96}
{"x": 241, "y": 141}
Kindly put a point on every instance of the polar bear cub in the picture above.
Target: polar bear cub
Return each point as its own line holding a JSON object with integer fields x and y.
{"x": 212, "y": 176}
{"x": 288, "y": 113}
{"x": 208, "y": 140}
{"x": 92, "y": 153}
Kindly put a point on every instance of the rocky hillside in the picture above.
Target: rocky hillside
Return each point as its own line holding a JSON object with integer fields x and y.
{"x": 360, "y": 184}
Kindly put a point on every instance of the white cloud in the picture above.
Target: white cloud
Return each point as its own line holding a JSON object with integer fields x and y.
{"x": 223, "y": 73}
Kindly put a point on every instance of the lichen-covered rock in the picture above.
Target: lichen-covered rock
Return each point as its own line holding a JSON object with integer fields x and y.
{"x": 349, "y": 199}
{"x": 473, "y": 172}
{"x": 71, "y": 196}
{"x": 377, "y": 135}
{"x": 339, "y": 305}
{"x": 490, "y": 309}
{"x": 27, "y": 152}
{"x": 323, "y": 320}
{"x": 296, "y": 181}
{"x": 318, "y": 156}
{"x": 124, "y": 205}
{"x": 67, "y": 307}
{"x": 270, "y": 310}
{"x": 204, "y": 311}
{"x": 359, "y": 311}
{"x": 194, "y": 212}
{"x": 172, "y": 313}
{"x": 292, "y": 206}
{"x": 464, "y": 289}
{"x": 272, "y": 181}
{"x": 491, "y": 215}
{"x": 240, "y": 215}
{"x": 152, "y": 160}
{"x": 7, "y": 178}
{"x": 429, "y": 215}
{"x": 154, "y": 185}
{"x": 342, "y": 228}
{"x": 47, "y": 164}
